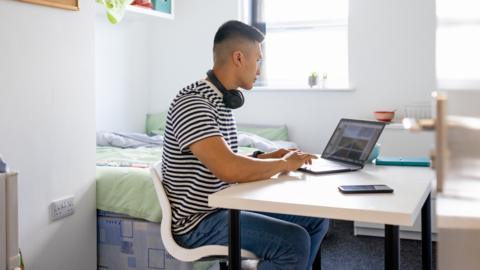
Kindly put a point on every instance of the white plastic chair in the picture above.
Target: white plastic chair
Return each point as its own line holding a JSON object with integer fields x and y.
{"x": 178, "y": 252}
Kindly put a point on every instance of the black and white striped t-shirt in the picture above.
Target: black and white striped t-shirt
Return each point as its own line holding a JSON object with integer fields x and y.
{"x": 197, "y": 112}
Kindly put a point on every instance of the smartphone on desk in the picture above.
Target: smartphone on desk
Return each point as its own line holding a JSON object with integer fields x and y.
{"x": 356, "y": 189}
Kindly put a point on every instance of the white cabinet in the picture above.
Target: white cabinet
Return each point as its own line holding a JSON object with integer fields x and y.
{"x": 8, "y": 220}
{"x": 3, "y": 225}
{"x": 458, "y": 219}
{"x": 458, "y": 249}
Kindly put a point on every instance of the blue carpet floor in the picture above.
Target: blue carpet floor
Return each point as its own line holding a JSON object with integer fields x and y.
{"x": 342, "y": 250}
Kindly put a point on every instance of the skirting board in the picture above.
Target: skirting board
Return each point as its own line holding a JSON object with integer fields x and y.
{"x": 378, "y": 232}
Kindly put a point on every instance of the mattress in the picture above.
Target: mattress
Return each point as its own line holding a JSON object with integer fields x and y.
{"x": 125, "y": 243}
{"x": 124, "y": 184}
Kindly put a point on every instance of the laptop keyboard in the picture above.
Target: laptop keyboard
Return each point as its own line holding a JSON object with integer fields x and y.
{"x": 319, "y": 163}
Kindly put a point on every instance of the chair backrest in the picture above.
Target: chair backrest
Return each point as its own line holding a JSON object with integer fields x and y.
{"x": 177, "y": 251}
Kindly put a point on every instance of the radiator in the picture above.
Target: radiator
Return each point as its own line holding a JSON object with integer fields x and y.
{"x": 8, "y": 221}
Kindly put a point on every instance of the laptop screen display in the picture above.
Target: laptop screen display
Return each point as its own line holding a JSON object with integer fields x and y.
{"x": 353, "y": 140}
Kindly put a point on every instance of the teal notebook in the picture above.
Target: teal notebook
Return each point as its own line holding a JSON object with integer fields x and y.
{"x": 403, "y": 161}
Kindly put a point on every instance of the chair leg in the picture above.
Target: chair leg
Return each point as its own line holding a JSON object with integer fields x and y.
{"x": 223, "y": 265}
{"x": 317, "y": 263}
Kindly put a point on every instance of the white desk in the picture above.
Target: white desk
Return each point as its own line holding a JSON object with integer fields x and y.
{"x": 318, "y": 196}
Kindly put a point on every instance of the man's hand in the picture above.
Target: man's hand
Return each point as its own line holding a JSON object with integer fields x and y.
{"x": 277, "y": 153}
{"x": 295, "y": 159}
{"x": 230, "y": 167}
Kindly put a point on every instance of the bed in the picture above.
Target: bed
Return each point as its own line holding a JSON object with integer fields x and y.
{"x": 128, "y": 212}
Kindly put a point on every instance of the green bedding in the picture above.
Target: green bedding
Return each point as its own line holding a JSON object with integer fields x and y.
{"x": 129, "y": 190}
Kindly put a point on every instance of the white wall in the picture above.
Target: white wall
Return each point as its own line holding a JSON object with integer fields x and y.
{"x": 182, "y": 48}
{"x": 122, "y": 73}
{"x": 391, "y": 47}
{"x": 142, "y": 62}
{"x": 47, "y": 130}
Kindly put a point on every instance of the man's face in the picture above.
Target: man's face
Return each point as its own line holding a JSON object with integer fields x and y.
{"x": 251, "y": 67}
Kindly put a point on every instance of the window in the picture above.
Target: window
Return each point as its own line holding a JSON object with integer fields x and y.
{"x": 302, "y": 37}
{"x": 458, "y": 41}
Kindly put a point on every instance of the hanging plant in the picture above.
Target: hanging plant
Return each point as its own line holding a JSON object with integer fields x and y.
{"x": 115, "y": 9}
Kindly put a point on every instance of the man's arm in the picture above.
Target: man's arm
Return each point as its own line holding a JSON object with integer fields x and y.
{"x": 217, "y": 156}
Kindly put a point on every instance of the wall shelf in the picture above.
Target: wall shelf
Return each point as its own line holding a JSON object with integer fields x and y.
{"x": 137, "y": 13}
{"x": 140, "y": 11}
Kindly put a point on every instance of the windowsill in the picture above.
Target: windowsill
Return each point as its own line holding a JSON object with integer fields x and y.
{"x": 302, "y": 89}
{"x": 458, "y": 84}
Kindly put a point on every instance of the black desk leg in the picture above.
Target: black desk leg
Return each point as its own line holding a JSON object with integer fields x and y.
{"x": 392, "y": 247}
{"x": 234, "y": 259}
{"x": 317, "y": 263}
{"x": 426, "y": 235}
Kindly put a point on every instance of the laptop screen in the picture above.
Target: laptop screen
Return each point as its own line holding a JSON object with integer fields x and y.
{"x": 353, "y": 140}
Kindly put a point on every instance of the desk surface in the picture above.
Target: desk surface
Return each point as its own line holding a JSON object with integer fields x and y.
{"x": 318, "y": 196}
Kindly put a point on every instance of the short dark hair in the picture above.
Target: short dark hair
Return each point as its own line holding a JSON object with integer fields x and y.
{"x": 236, "y": 29}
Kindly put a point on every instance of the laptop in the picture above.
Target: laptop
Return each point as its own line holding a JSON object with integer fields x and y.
{"x": 348, "y": 148}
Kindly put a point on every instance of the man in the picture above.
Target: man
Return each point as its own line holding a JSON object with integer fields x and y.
{"x": 200, "y": 158}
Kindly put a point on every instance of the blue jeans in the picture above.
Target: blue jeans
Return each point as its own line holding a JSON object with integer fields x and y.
{"x": 280, "y": 241}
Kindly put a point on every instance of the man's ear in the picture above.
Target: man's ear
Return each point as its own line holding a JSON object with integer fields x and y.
{"x": 238, "y": 58}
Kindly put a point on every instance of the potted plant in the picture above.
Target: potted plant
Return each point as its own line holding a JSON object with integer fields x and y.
{"x": 313, "y": 79}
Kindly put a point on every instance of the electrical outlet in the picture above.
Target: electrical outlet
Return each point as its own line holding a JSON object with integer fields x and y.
{"x": 61, "y": 208}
